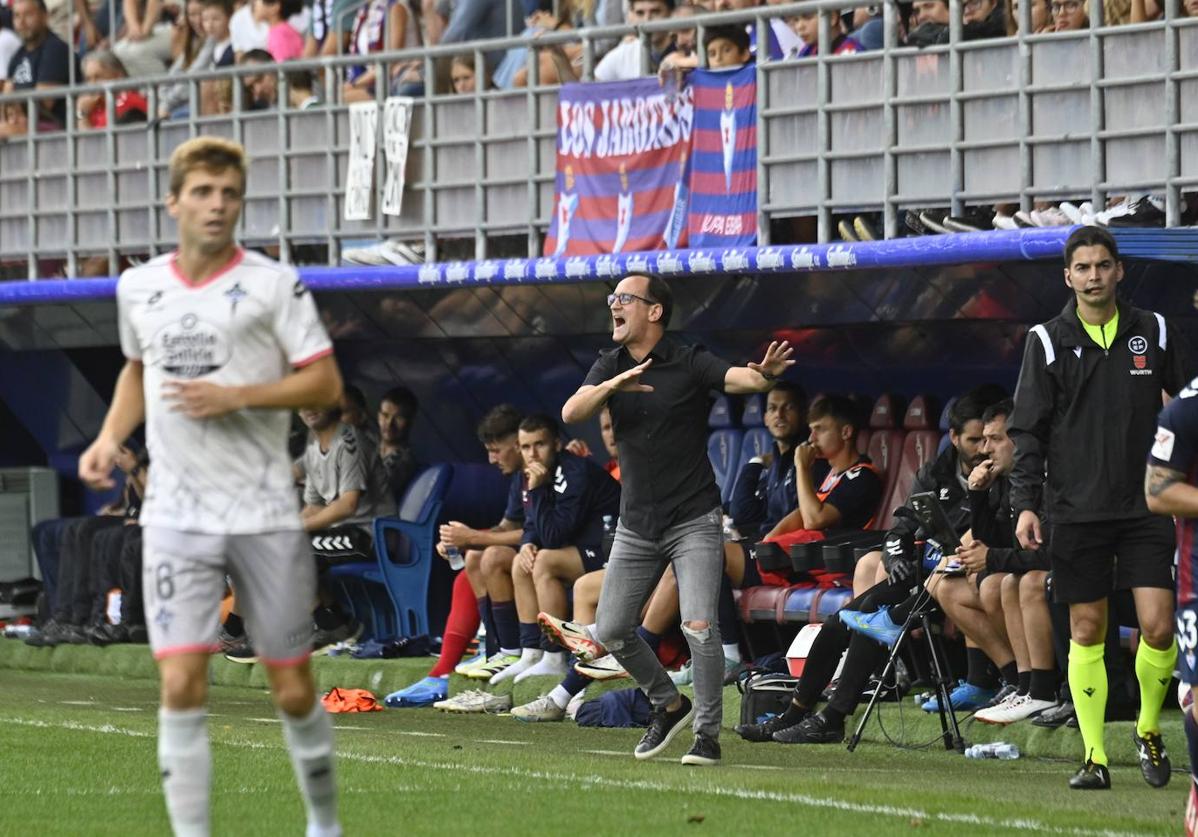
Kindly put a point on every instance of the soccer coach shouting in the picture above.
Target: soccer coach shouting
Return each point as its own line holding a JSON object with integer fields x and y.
{"x": 1086, "y": 405}
{"x": 657, "y": 387}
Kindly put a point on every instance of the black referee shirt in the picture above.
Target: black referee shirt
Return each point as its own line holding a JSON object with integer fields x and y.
{"x": 665, "y": 475}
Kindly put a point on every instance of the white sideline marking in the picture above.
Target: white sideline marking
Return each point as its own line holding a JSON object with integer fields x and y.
{"x": 624, "y": 753}
{"x": 502, "y": 741}
{"x": 420, "y": 734}
{"x": 347, "y": 726}
{"x": 265, "y": 720}
{"x": 632, "y": 784}
{"x": 126, "y": 709}
{"x": 77, "y": 702}
{"x": 757, "y": 766}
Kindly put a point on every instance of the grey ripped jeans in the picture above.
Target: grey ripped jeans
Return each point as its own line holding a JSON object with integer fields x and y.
{"x": 696, "y": 550}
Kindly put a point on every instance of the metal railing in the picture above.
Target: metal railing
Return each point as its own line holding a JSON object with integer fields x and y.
{"x": 1087, "y": 114}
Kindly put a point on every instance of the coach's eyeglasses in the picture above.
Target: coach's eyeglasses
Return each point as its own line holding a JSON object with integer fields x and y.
{"x": 626, "y": 299}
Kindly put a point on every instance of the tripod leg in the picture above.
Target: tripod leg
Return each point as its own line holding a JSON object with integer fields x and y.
{"x": 877, "y": 695}
{"x": 948, "y": 717}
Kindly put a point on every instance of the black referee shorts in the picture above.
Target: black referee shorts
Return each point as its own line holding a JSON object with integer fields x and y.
{"x": 1092, "y": 560}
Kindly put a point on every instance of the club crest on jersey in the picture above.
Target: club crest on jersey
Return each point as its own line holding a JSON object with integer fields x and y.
{"x": 190, "y": 348}
{"x": 235, "y": 294}
{"x": 1137, "y": 345}
{"x": 1139, "y": 361}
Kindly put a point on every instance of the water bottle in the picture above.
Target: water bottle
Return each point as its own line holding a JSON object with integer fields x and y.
{"x": 1006, "y": 751}
{"x": 993, "y": 750}
{"x": 456, "y": 561}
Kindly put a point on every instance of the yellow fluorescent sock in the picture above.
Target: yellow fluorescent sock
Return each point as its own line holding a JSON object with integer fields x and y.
{"x": 1087, "y": 683}
{"x": 1154, "y": 670}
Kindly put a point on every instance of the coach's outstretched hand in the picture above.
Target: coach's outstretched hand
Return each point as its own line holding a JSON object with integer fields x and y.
{"x": 201, "y": 399}
{"x": 630, "y": 380}
{"x": 776, "y": 361}
{"x": 97, "y": 462}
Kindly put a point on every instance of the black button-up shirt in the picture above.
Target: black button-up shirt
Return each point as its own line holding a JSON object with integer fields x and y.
{"x": 662, "y": 435}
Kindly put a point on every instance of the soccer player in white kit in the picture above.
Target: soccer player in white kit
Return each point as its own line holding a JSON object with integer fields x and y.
{"x": 220, "y": 344}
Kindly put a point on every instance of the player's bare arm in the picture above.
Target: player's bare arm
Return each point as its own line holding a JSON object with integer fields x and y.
{"x": 128, "y": 410}
{"x": 1167, "y": 492}
{"x": 316, "y": 385}
{"x": 323, "y": 517}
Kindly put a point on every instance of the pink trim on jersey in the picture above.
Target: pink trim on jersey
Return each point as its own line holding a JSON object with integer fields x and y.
{"x": 195, "y": 648}
{"x": 288, "y": 663}
{"x": 299, "y": 364}
{"x": 238, "y": 255}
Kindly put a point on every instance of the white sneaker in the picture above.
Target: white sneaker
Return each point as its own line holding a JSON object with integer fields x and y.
{"x": 1004, "y": 222}
{"x": 384, "y": 253}
{"x": 1072, "y": 212}
{"x": 541, "y": 709}
{"x": 528, "y": 658}
{"x": 1051, "y": 217}
{"x": 475, "y": 701}
{"x": 575, "y": 702}
{"x": 1008, "y": 712}
{"x": 1117, "y": 211}
{"x": 552, "y": 664}
{"x": 604, "y": 668}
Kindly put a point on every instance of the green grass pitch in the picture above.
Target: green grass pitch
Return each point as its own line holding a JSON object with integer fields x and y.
{"x": 78, "y": 756}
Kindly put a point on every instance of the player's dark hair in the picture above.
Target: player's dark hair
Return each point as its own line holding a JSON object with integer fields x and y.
{"x": 500, "y": 423}
{"x": 1002, "y": 409}
{"x": 792, "y": 391}
{"x": 839, "y": 408}
{"x": 972, "y": 405}
{"x": 404, "y": 399}
{"x": 540, "y": 421}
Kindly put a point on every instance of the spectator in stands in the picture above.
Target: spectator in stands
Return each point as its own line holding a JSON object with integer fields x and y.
{"x": 557, "y": 63}
{"x": 806, "y": 25}
{"x": 1141, "y": 11}
{"x": 928, "y": 23}
{"x": 215, "y": 17}
{"x": 985, "y": 19}
{"x": 250, "y": 29}
{"x": 283, "y": 42}
{"x": 565, "y": 503}
{"x": 726, "y": 47}
{"x": 946, "y": 475}
{"x": 463, "y": 77}
{"x": 146, "y": 48}
{"x": 686, "y": 41}
{"x": 301, "y": 92}
{"x": 624, "y": 61}
{"x": 9, "y": 42}
{"x": 1041, "y": 15}
{"x": 498, "y": 431}
{"x": 321, "y": 24}
{"x": 476, "y": 20}
{"x": 43, "y": 62}
{"x": 261, "y": 89}
{"x": 91, "y": 110}
{"x": 397, "y": 411}
{"x": 189, "y": 46}
{"x": 1069, "y": 15}
{"x": 381, "y": 25}
{"x": 867, "y": 27}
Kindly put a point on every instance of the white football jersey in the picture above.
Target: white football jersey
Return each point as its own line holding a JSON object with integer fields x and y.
{"x": 250, "y": 323}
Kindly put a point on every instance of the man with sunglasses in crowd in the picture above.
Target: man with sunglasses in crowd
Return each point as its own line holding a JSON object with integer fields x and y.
{"x": 657, "y": 388}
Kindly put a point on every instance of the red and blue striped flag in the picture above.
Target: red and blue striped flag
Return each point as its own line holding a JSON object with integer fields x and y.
{"x": 621, "y": 160}
{"x": 723, "y": 181}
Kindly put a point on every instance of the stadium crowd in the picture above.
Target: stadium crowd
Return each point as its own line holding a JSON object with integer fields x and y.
{"x": 48, "y": 44}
